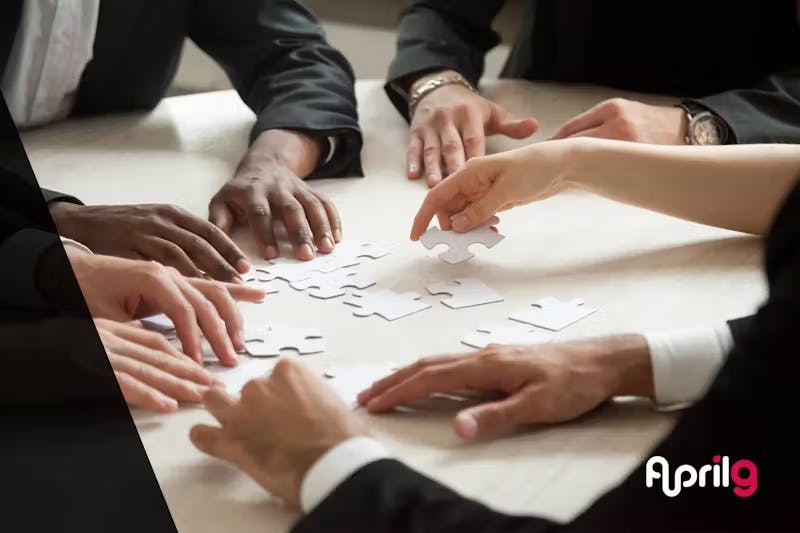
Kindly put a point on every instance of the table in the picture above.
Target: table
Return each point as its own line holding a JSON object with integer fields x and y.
{"x": 643, "y": 270}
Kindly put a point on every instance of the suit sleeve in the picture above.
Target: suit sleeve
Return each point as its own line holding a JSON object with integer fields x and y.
{"x": 766, "y": 113}
{"x": 278, "y": 59}
{"x": 742, "y": 417}
{"x": 439, "y": 35}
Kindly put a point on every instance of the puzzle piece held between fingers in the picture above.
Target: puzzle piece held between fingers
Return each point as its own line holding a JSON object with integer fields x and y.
{"x": 459, "y": 243}
{"x": 160, "y": 322}
{"x": 465, "y": 292}
{"x": 508, "y": 333}
{"x": 553, "y": 314}
{"x": 331, "y": 285}
{"x": 389, "y": 304}
{"x": 269, "y": 340}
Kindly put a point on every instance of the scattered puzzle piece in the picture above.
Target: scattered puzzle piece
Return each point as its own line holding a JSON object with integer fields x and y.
{"x": 345, "y": 255}
{"x": 332, "y": 284}
{"x": 459, "y": 243}
{"x": 269, "y": 340}
{"x": 389, "y": 304}
{"x": 160, "y": 322}
{"x": 348, "y": 381}
{"x": 553, "y": 314}
{"x": 507, "y": 333}
{"x": 465, "y": 292}
{"x": 256, "y": 278}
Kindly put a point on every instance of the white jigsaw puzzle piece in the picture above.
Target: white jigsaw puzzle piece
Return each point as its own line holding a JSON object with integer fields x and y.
{"x": 257, "y": 278}
{"x": 510, "y": 334}
{"x": 389, "y": 304}
{"x": 331, "y": 285}
{"x": 553, "y": 314}
{"x": 348, "y": 381}
{"x": 346, "y": 254}
{"x": 269, "y": 340}
{"x": 465, "y": 292}
{"x": 160, "y": 322}
{"x": 459, "y": 243}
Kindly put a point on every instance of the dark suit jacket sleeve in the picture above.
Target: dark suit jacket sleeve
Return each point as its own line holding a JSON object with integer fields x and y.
{"x": 743, "y": 416}
{"x": 277, "y": 58}
{"x": 442, "y": 34}
{"x": 55, "y": 196}
{"x": 767, "y": 113}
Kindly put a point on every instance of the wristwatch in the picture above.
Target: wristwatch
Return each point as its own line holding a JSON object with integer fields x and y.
{"x": 432, "y": 84}
{"x": 704, "y": 127}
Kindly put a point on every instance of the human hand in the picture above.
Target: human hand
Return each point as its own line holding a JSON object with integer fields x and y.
{"x": 541, "y": 384}
{"x": 626, "y": 120}
{"x": 450, "y": 126}
{"x": 490, "y": 184}
{"x": 125, "y": 289}
{"x": 151, "y": 372}
{"x": 281, "y": 426}
{"x": 267, "y": 188}
{"x": 163, "y": 233}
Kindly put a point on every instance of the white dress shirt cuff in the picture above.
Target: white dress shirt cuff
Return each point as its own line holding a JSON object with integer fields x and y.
{"x": 331, "y": 151}
{"x": 69, "y": 242}
{"x": 333, "y": 468}
{"x": 685, "y": 362}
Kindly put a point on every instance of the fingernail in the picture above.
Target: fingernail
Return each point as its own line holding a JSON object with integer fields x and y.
{"x": 237, "y": 279}
{"x": 460, "y": 222}
{"x": 306, "y": 251}
{"x": 169, "y": 404}
{"x": 363, "y": 395}
{"x": 412, "y": 168}
{"x": 271, "y": 252}
{"x": 469, "y": 425}
{"x": 242, "y": 265}
{"x": 337, "y": 235}
{"x": 326, "y": 245}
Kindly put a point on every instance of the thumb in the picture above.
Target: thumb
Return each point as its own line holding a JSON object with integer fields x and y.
{"x": 478, "y": 213}
{"x": 220, "y": 215}
{"x": 503, "y": 123}
{"x": 488, "y": 420}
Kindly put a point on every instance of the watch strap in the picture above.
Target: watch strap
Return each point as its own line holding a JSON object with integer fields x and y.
{"x": 432, "y": 84}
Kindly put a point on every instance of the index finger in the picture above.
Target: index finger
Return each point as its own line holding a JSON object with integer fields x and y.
{"x": 434, "y": 203}
{"x": 217, "y": 238}
{"x": 163, "y": 295}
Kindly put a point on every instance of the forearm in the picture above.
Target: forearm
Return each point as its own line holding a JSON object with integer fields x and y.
{"x": 733, "y": 187}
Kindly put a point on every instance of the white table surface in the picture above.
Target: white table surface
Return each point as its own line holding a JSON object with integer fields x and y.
{"x": 642, "y": 270}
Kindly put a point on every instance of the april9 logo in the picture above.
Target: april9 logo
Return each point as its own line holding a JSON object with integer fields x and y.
{"x": 743, "y": 473}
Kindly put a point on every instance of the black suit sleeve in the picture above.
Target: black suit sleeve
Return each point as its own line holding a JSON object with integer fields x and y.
{"x": 438, "y": 35}
{"x": 277, "y": 58}
{"x": 767, "y": 113}
{"x": 744, "y": 416}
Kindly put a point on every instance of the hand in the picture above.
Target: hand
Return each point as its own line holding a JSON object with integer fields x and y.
{"x": 267, "y": 188}
{"x": 490, "y": 184}
{"x": 163, "y": 233}
{"x": 124, "y": 289}
{"x": 542, "y": 384}
{"x": 451, "y": 124}
{"x": 281, "y": 426}
{"x": 625, "y": 120}
{"x": 151, "y": 372}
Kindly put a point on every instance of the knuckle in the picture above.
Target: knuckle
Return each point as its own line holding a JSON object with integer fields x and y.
{"x": 258, "y": 210}
{"x": 431, "y": 151}
{"x": 199, "y": 244}
{"x": 617, "y": 104}
{"x": 291, "y": 208}
{"x": 252, "y": 389}
{"x": 451, "y": 147}
{"x": 472, "y": 141}
{"x": 169, "y": 210}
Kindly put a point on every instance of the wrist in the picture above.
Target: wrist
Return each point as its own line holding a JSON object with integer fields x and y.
{"x": 626, "y": 364}
{"x": 64, "y": 215}
{"x": 296, "y": 151}
{"x": 417, "y": 83}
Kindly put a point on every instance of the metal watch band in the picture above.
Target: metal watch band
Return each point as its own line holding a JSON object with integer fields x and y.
{"x": 435, "y": 83}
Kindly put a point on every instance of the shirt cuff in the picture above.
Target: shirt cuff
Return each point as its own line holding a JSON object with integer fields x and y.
{"x": 685, "y": 362}
{"x": 333, "y": 468}
{"x": 75, "y": 244}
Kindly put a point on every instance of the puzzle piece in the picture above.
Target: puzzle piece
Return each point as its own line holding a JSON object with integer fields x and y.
{"x": 332, "y": 284}
{"x": 507, "y": 333}
{"x": 269, "y": 340}
{"x": 348, "y": 381}
{"x": 459, "y": 243}
{"x": 160, "y": 322}
{"x": 345, "y": 255}
{"x": 553, "y": 314}
{"x": 256, "y": 278}
{"x": 389, "y": 304}
{"x": 465, "y": 292}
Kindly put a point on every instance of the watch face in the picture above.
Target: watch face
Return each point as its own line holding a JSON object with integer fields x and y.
{"x": 706, "y": 130}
